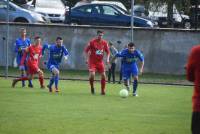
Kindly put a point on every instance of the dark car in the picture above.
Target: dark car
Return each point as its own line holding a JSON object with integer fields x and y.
{"x": 193, "y": 13}
{"x": 103, "y": 14}
{"x": 159, "y": 14}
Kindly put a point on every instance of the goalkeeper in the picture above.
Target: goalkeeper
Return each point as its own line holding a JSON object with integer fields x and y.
{"x": 56, "y": 53}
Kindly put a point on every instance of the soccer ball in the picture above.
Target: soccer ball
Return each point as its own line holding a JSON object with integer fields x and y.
{"x": 123, "y": 93}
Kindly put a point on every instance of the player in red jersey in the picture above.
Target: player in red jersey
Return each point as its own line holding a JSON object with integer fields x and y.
{"x": 193, "y": 75}
{"x": 34, "y": 53}
{"x": 94, "y": 52}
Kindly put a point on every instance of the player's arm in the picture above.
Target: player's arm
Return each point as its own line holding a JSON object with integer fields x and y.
{"x": 24, "y": 56}
{"x": 190, "y": 71}
{"x": 87, "y": 51}
{"x": 66, "y": 53}
{"x": 107, "y": 50}
{"x": 17, "y": 46}
{"x": 44, "y": 47}
{"x": 141, "y": 58}
{"x": 141, "y": 66}
{"x": 118, "y": 54}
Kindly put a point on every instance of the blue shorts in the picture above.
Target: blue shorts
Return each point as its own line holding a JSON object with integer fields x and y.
{"x": 51, "y": 67}
{"x": 127, "y": 72}
{"x": 25, "y": 67}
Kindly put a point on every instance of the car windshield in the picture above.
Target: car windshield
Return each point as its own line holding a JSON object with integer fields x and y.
{"x": 50, "y": 4}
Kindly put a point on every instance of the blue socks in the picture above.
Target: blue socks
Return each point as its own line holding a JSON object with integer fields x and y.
{"x": 56, "y": 79}
{"x": 135, "y": 84}
{"x": 30, "y": 82}
{"x": 51, "y": 81}
{"x": 23, "y": 82}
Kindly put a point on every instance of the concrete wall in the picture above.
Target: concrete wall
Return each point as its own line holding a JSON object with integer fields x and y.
{"x": 165, "y": 50}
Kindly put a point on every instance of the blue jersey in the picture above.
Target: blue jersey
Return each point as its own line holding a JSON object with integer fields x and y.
{"x": 20, "y": 46}
{"x": 129, "y": 64}
{"x": 130, "y": 58}
{"x": 55, "y": 54}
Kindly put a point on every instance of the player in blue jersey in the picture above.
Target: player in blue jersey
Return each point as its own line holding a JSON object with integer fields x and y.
{"x": 20, "y": 45}
{"x": 129, "y": 67}
{"x": 56, "y": 53}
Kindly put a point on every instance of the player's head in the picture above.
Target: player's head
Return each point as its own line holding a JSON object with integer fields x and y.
{"x": 37, "y": 40}
{"x": 59, "y": 41}
{"x": 100, "y": 34}
{"x": 131, "y": 47}
{"x": 23, "y": 32}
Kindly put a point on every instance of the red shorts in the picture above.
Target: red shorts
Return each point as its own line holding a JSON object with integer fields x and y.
{"x": 33, "y": 69}
{"x": 99, "y": 67}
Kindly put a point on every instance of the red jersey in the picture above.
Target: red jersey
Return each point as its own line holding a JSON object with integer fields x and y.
{"x": 193, "y": 74}
{"x": 96, "y": 50}
{"x": 34, "y": 54}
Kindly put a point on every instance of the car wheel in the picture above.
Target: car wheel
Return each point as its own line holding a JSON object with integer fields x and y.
{"x": 187, "y": 25}
{"x": 74, "y": 23}
{"x": 23, "y": 20}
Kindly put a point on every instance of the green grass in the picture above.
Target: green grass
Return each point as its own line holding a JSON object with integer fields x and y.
{"x": 158, "y": 110}
{"x": 82, "y": 74}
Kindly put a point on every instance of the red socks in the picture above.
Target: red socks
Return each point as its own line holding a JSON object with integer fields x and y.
{"x": 91, "y": 83}
{"x": 103, "y": 85}
{"x": 41, "y": 79}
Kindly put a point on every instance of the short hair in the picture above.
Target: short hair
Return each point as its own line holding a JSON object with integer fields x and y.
{"x": 22, "y": 29}
{"x": 37, "y": 37}
{"x": 131, "y": 44}
{"x": 99, "y": 31}
{"x": 59, "y": 38}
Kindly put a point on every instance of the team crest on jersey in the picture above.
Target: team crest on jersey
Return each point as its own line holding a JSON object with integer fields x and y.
{"x": 36, "y": 56}
{"x": 129, "y": 60}
{"x": 99, "y": 52}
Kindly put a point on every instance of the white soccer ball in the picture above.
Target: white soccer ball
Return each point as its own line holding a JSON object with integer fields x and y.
{"x": 123, "y": 93}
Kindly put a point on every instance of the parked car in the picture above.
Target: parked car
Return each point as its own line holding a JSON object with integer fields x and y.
{"x": 18, "y": 14}
{"x": 103, "y": 14}
{"x": 159, "y": 14}
{"x": 53, "y": 10}
{"x": 116, "y": 3}
{"x": 193, "y": 14}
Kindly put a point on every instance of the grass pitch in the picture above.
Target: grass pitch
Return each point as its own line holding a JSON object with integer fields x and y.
{"x": 158, "y": 110}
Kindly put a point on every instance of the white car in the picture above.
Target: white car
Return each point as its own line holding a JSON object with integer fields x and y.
{"x": 53, "y": 10}
{"x": 18, "y": 14}
{"x": 116, "y": 3}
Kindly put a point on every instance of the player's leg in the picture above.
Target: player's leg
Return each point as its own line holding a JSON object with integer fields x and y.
{"x": 113, "y": 71}
{"x": 195, "y": 123}
{"x": 109, "y": 74}
{"x": 91, "y": 80}
{"x": 135, "y": 85}
{"x": 134, "y": 72}
{"x": 30, "y": 84}
{"x": 51, "y": 81}
{"x": 126, "y": 77}
{"x": 56, "y": 73}
{"x": 22, "y": 71}
{"x": 101, "y": 69}
{"x": 103, "y": 83}
{"x": 92, "y": 70}
{"x": 120, "y": 75}
{"x": 21, "y": 79}
{"x": 22, "y": 75}
{"x": 41, "y": 78}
